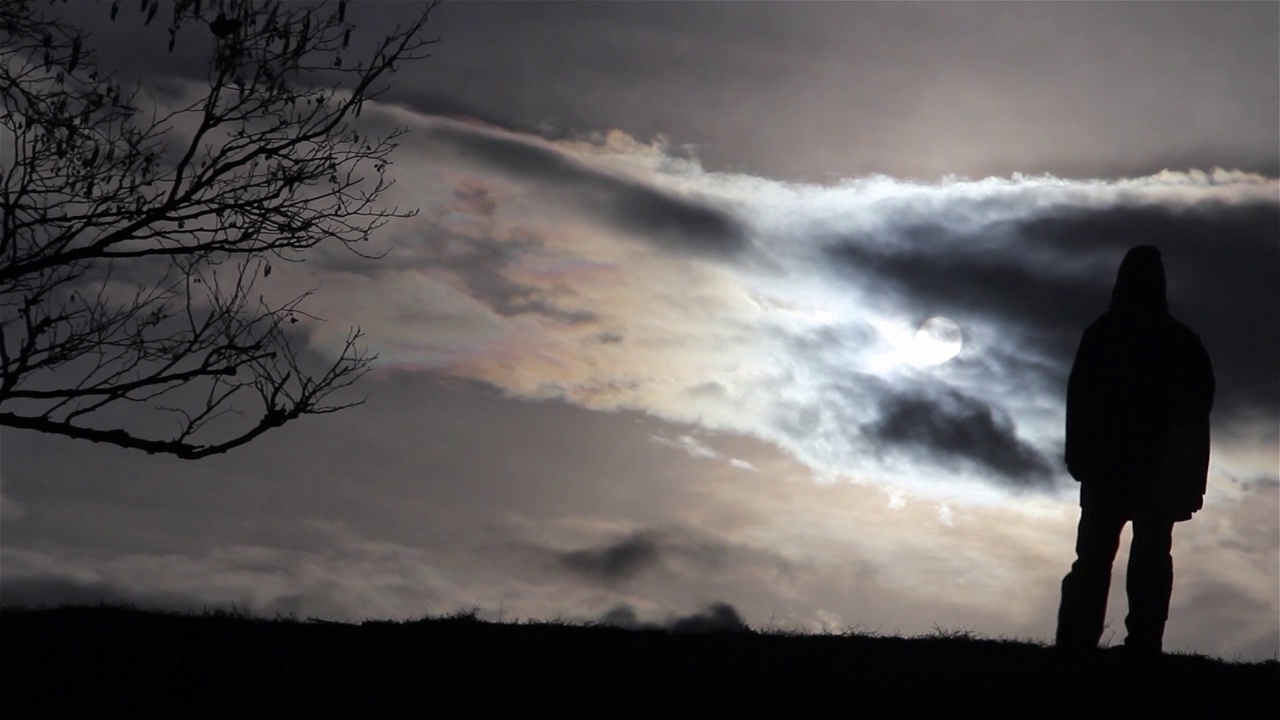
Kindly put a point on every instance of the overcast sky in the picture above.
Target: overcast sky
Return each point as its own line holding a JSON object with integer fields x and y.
{"x": 652, "y": 340}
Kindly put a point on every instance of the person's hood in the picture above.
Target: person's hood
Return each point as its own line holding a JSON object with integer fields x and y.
{"x": 1140, "y": 280}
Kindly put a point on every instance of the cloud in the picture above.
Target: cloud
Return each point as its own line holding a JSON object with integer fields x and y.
{"x": 442, "y": 523}
{"x": 617, "y": 561}
{"x": 39, "y": 591}
{"x": 1047, "y": 275}
{"x": 871, "y": 88}
{"x": 949, "y": 427}
{"x": 1223, "y": 265}
{"x": 718, "y": 616}
{"x": 689, "y": 444}
{"x": 1263, "y": 481}
{"x": 670, "y": 554}
{"x": 595, "y": 271}
{"x": 10, "y": 510}
{"x": 937, "y": 270}
{"x": 695, "y": 448}
{"x": 482, "y": 263}
{"x": 520, "y": 274}
{"x": 681, "y": 223}
{"x": 1226, "y": 608}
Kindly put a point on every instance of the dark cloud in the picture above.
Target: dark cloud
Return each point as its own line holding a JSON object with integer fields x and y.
{"x": 1223, "y": 269}
{"x": 475, "y": 199}
{"x": 50, "y": 590}
{"x": 675, "y": 223}
{"x": 1226, "y": 606}
{"x": 951, "y": 427}
{"x": 1048, "y": 277}
{"x": 450, "y": 106}
{"x": 480, "y": 262}
{"x": 622, "y": 616}
{"x": 669, "y": 553}
{"x": 37, "y": 591}
{"x": 1262, "y": 482}
{"x": 481, "y": 268}
{"x": 717, "y": 617}
{"x": 937, "y": 274}
{"x": 617, "y": 561}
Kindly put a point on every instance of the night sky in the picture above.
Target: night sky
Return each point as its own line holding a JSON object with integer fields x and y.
{"x": 653, "y": 340}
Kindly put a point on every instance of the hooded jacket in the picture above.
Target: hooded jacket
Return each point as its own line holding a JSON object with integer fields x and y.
{"x": 1139, "y": 397}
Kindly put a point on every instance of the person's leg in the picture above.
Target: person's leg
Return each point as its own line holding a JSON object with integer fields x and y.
{"x": 1149, "y": 584}
{"x": 1082, "y": 614}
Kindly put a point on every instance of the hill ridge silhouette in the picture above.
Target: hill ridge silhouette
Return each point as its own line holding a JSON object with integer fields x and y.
{"x": 96, "y": 658}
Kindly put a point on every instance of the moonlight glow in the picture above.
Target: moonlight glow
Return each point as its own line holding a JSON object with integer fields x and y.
{"x": 938, "y": 340}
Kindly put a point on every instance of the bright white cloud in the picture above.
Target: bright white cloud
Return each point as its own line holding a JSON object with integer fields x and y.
{"x": 769, "y": 342}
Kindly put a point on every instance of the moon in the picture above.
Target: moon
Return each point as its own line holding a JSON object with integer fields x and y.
{"x": 938, "y": 340}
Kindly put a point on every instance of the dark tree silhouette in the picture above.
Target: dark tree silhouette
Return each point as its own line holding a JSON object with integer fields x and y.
{"x": 137, "y": 235}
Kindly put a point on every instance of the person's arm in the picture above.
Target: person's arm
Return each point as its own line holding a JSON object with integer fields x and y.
{"x": 1082, "y": 409}
{"x": 1205, "y": 370}
{"x": 1206, "y": 385}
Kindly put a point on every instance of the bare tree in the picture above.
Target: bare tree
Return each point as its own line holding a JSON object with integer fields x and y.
{"x": 136, "y": 235}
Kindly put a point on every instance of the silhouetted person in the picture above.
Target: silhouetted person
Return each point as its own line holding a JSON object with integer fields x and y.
{"x": 1137, "y": 441}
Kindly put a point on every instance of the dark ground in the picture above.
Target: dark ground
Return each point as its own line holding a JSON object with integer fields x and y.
{"x": 101, "y": 658}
